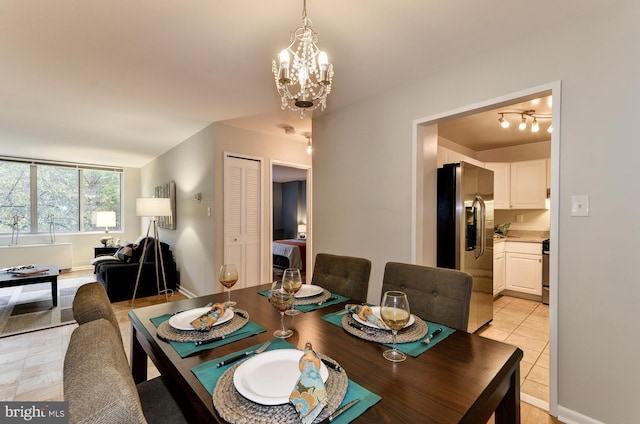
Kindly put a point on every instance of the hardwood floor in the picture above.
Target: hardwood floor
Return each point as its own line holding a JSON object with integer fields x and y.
{"x": 31, "y": 364}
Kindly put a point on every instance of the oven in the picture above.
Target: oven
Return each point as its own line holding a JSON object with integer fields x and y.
{"x": 545, "y": 271}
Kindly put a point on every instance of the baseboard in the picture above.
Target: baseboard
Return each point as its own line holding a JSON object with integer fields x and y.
{"x": 572, "y": 417}
{"x": 187, "y": 293}
{"x": 538, "y": 403}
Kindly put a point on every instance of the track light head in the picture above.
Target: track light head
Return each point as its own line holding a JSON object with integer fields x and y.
{"x": 503, "y": 122}
{"x": 523, "y": 123}
{"x": 534, "y": 125}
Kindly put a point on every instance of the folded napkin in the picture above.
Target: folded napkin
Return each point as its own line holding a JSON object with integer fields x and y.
{"x": 206, "y": 321}
{"x": 365, "y": 313}
{"x": 309, "y": 396}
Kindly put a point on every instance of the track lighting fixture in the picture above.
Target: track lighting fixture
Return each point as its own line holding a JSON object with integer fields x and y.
{"x": 524, "y": 117}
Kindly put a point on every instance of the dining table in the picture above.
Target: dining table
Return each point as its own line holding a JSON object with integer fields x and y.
{"x": 464, "y": 378}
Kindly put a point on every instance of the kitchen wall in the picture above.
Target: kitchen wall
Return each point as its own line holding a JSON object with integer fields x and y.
{"x": 371, "y": 145}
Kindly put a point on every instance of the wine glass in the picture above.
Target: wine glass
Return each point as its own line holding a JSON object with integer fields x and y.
{"x": 228, "y": 277}
{"x": 282, "y": 300}
{"x": 292, "y": 283}
{"x": 395, "y": 313}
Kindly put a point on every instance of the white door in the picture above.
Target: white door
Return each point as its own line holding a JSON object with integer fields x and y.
{"x": 242, "y": 200}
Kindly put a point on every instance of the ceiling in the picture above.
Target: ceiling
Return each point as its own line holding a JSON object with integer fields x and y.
{"x": 119, "y": 83}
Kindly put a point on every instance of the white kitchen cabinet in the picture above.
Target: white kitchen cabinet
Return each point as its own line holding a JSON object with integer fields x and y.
{"x": 519, "y": 185}
{"x": 499, "y": 279}
{"x": 528, "y": 184}
{"x": 523, "y": 267}
{"x": 501, "y": 184}
{"x": 446, "y": 155}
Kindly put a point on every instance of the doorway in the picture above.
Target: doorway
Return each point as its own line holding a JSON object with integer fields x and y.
{"x": 290, "y": 219}
{"x": 426, "y": 139}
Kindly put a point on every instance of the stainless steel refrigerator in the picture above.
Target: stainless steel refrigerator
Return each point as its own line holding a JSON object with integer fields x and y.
{"x": 465, "y": 232}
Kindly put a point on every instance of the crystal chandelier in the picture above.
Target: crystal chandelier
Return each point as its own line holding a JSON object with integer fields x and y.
{"x": 302, "y": 72}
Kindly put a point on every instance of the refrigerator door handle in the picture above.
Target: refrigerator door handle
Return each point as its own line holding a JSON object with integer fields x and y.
{"x": 482, "y": 229}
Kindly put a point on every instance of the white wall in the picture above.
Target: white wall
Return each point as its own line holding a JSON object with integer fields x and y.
{"x": 369, "y": 146}
{"x": 196, "y": 165}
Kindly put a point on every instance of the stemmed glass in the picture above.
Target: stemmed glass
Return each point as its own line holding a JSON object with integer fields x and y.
{"x": 228, "y": 277}
{"x": 292, "y": 283}
{"x": 395, "y": 313}
{"x": 282, "y": 300}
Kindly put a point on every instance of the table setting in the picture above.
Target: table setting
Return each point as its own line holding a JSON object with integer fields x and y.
{"x": 269, "y": 384}
{"x": 413, "y": 338}
{"x": 311, "y": 297}
{"x": 207, "y": 327}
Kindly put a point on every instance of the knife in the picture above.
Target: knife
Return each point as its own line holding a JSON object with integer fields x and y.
{"x": 432, "y": 335}
{"x": 360, "y": 327}
{"x": 334, "y": 415}
{"x": 215, "y": 339}
{"x": 243, "y": 355}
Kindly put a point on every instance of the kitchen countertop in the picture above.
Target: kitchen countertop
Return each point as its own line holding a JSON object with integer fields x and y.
{"x": 523, "y": 236}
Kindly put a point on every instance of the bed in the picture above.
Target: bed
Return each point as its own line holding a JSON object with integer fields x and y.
{"x": 290, "y": 253}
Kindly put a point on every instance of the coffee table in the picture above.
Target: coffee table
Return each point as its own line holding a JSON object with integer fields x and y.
{"x": 51, "y": 275}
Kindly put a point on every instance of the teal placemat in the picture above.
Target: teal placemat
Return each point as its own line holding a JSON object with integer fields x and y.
{"x": 208, "y": 374}
{"x": 334, "y": 299}
{"x": 412, "y": 348}
{"x": 185, "y": 349}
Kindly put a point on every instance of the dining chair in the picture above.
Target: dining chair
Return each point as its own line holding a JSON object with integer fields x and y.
{"x": 344, "y": 275}
{"x": 438, "y": 295}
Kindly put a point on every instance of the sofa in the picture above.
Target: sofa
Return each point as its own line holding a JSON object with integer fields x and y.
{"x": 97, "y": 380}
{"x": 118, "y": 273}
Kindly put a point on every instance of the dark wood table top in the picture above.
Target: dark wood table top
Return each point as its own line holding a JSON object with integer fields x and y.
{"x": 36, "y": 274}
{"x": 463, "y": 379}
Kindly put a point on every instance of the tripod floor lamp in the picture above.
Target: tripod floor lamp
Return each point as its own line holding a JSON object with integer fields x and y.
{"x": 153, "y": 207}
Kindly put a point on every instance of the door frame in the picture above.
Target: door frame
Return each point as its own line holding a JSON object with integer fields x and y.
{"x": 309, "y": 202}
{"x": 424, "y": 148}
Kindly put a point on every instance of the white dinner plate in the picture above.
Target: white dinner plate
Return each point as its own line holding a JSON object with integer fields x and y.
{"x": 268, "y": 378}
{"x": 308, "y": 290}
{"x": 182, "y": 321}
{"x": 376, "y": 312}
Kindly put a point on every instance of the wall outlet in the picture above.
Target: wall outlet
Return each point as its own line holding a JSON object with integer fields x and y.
{"x": 519, "y": 218}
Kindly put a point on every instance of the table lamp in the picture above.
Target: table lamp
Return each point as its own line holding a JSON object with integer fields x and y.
{"x": 106, "y": 219}
{"x": 302, "y": 231}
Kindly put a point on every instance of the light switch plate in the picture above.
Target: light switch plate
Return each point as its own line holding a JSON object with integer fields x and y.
{"x": 580, "y": 205}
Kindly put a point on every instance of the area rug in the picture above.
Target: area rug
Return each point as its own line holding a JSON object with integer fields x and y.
{"x": 29, "y": 308}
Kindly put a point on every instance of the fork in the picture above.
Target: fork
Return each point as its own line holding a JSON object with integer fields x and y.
{"x": 243, "y": 355}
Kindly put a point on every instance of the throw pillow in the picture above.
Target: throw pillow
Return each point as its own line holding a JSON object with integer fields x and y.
{"x": 104, "y": 258}
{"x": 124, "y": 253}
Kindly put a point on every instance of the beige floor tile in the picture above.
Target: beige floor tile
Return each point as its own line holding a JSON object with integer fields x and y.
{"x": 531, "y": 333}
{"x": 530, "y": 355}
{"x": 513, "y": 317}
{"x": 543, "y": 360}
{"x": 507, "y": 326}
{"x": 537, "y": 390}
{"x": 526, "y": 342}
{"x": 494, "y": 333}
{"x": 525, "y": 368}
{"x": 502, "y": 301}
{"x": 539, "y": 375}
{"x": 38, "y": 381}
{"x": 536, "y": 323}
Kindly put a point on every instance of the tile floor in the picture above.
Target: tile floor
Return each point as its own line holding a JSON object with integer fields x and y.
{"x": 524, "y": 323}
{"x": 31, "y": 364}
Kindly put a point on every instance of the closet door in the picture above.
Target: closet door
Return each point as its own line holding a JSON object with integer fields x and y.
{"x": 242, "y": 217}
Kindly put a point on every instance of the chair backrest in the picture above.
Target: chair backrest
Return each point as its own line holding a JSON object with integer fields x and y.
{"x": 344, "y": 275}
{"x": 438, "y": 295}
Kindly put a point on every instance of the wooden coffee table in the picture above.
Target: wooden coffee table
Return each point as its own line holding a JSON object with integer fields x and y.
{"x": 51, "y": 275}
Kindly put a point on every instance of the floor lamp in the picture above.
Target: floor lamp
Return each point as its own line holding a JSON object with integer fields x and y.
{"x": 152, "y": 207}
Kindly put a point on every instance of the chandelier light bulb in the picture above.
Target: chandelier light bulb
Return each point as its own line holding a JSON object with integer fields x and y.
{"x": 550, "y": 129}
{"x": 309, "y": 147}
{"x": 534, "y": 125}
{"x": 284, "y": 59}
{"x": 503, "y": 122}
{"x": 323, "y": 61}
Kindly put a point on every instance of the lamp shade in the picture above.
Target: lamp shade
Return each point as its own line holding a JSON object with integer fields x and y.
{"x": 153, "y": 206}
{"x": 302, "y": 228}
{"x": 106, "y": 219}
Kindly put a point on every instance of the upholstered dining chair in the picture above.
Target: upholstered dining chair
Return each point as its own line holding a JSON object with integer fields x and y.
{"x": 438, "y": 295}
{"x": 344, "y": 275}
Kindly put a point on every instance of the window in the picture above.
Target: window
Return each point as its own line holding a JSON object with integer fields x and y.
{"x": 37, "y": 196}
